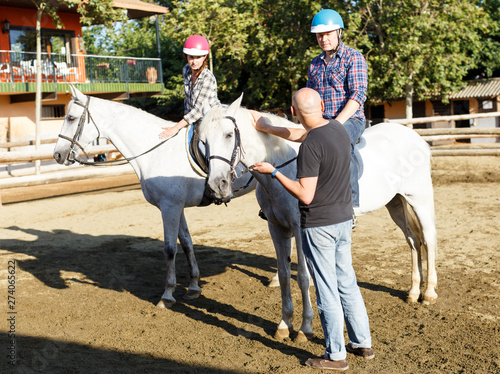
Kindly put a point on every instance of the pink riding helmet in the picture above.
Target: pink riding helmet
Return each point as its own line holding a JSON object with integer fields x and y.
{"x": 196, "y": 45}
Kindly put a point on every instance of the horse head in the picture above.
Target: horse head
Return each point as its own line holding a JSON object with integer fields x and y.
{"x": 220, "y": 132}
{"x": 76, "y": 131}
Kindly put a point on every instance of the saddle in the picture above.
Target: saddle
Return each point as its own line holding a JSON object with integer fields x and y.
{"x": 195, "y": 155}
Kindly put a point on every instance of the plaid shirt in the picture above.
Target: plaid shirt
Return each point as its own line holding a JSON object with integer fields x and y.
{"x": 204, "y": 92}
{"x": 343, "y": 78}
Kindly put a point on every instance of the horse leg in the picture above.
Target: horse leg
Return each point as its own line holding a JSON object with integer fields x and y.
{"x": 171, "y": 220}
{"x": 194, "y": 290}
{"x": 424, "y": 211}
{"x": 303, "y": 280}
{"x": 400, "y": 215}
{"x": 283, "y": 247}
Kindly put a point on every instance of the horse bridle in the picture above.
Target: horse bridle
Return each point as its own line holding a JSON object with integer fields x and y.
{"x": 237, "y": 151}
{"x": 79, "y": 130}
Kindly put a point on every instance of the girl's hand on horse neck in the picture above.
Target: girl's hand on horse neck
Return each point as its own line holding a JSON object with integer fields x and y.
{"x": 171, "y": 131}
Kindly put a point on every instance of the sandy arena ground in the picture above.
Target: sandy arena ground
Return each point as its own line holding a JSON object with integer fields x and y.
{"x": 90, "y": 269}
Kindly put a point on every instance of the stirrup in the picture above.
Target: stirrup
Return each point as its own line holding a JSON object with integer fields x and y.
{"x": 262, "y": 215}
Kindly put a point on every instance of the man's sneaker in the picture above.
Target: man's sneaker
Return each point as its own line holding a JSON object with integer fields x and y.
{"x": 363, "y": 352}
{"x": 322, "y": 363}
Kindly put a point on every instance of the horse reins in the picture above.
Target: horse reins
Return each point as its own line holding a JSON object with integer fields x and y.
{"x": 79, "y": 130}
{"x": 235, "y": 157}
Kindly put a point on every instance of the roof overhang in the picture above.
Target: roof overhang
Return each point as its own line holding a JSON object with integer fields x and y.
{"x": 479, "y": 88}
{"x": 135, "y": 8}
{"x": 139, "y": 9}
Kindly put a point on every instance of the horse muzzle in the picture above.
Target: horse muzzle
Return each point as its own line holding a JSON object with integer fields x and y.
{"x": 220, "y": 188}
{"x": 62, "y": 160}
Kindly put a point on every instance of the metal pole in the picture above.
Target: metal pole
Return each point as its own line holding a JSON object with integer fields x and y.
{"x": 159, "y": 50}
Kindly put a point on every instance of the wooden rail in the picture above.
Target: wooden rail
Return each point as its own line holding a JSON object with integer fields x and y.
{"x": 75, "y": 173}
{"x": 43, "y": 155}
{"x": 26, "y": 143}
{"x": 458, "y": 117}
{"x": 80, "y": 173}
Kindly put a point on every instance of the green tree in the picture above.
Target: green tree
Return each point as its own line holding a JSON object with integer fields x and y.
{"x": 488, "y": 58}
{"x": 224, "y": 23}
{"x": 419, "y": 49}
{"x": 281, "y": 49}
{"x": 414, "y": 49}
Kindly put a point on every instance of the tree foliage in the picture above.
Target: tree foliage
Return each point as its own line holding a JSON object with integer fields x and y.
{"x": 225, "y": 24}
{"x": 263, "y": 47}
{"x": 428, "y": 44}
{"x": 90, "y": 11}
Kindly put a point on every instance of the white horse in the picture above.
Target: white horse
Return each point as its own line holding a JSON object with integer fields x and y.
{"x": 167, "y": 178}
{"x": 395, "y": 173}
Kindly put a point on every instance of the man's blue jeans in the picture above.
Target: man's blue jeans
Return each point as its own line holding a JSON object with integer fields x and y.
{"x": 355, "y": 128}
{"x": 328, "y": 254}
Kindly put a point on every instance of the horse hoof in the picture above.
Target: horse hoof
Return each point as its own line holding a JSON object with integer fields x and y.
{"x": 302, "y": 338}
{"x": 281, "y": 334}
{"x": 192, "y": 294}
{"x": 165, "y": 304}
{"x": 429, "y": 300}
{"x": 411, "y": 299}
{"x": 274, "y": 283}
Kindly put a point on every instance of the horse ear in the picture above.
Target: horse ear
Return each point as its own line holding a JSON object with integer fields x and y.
{"x": 233, "y": 108}
{"x": 77, "y": 94}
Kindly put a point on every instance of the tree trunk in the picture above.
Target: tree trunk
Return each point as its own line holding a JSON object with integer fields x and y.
{"x": 409, "y": 99}
{"x": 38, "y": 96}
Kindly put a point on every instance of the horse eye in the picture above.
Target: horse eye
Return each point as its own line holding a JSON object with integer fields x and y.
{"x": 70, "y": 117}
{"x": 229, "y": 135}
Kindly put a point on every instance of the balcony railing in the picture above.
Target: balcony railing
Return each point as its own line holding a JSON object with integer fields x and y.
{"x": 66, "y": 68}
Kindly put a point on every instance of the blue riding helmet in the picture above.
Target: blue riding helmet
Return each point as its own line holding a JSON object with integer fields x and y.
{"x": 326, "y": 20}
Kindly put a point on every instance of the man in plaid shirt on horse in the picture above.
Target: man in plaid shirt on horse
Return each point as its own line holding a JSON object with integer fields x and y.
{"x": 340, "y": 75}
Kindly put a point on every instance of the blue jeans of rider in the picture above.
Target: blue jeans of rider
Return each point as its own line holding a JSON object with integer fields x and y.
{"x": 328, "y": 254}
{"x": 355, "y": 128}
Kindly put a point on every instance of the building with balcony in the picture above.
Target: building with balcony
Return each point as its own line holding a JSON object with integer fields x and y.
{"x": 64, "y": 62}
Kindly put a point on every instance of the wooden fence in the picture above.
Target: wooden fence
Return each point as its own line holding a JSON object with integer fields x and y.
{"x": 435, "y": 135}
{"x": 79, "y": 173}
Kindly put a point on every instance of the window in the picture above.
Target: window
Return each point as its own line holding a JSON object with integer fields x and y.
{"x": 486, "y": 105}
{"x": 53, "y": 111}
{"x": 441, "y": 109}
{"x": 418, "y": 110}
{"x": 23, "y": 39}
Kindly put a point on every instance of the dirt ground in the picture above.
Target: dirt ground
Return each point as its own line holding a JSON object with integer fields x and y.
{"x": 89, "y": 270}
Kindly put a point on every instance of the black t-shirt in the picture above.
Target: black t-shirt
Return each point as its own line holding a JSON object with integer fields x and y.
{"x": 326, "y": 154}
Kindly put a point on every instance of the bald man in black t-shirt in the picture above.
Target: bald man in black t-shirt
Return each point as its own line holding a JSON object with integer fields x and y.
{"x": 324, "y": 194}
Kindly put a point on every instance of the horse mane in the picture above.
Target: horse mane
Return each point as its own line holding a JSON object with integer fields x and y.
{"x": 131, "y": 112}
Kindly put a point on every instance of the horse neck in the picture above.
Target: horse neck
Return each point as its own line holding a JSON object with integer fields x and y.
{"x": 260, "y": 147}
{"x": 131, "y": 130}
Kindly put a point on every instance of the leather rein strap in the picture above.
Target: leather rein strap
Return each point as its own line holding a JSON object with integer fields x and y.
{"x": 78, "y": 133}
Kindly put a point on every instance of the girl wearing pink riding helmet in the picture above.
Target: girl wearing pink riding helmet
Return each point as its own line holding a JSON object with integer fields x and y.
{"x": 200, "y": 86}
